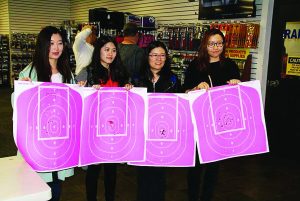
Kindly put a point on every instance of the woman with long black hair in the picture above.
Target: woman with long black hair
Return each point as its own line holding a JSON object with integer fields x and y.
{"x": 209, "y": 69}
{"x": 50, "y": 64}
{"x": 105, "y": 70}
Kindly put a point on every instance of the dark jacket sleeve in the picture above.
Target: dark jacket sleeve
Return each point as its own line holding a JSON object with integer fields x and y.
{"x": 190, "y": 80}
{"x": 177, "y": 88}
{"x": 234, "y": 70}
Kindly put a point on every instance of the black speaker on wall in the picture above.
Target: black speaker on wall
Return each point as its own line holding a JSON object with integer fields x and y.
{"x": 107, "y": 19}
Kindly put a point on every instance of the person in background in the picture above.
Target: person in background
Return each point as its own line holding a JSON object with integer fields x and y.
{"x": 132, "y": 56}
{"x": 209, "y": 69}
{"x": 105, "y": 70}
{"x": 83, "y": 47}
{"x": 50, "y": 64}
{"x": 156, "y": 76}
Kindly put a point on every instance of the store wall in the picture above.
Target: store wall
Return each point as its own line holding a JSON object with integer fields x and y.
{"x": 172, "y": 11}
{"x": 30, "y": 15}
{"x": 4, "y": 17}
{"x": 183, "y": 11}
{"x": 166, "y": 12}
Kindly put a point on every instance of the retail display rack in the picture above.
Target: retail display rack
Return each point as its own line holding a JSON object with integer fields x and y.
{"x": 22, "y": 46}
{"x": 4, "y": 60}
{"x": 183, "y": 41}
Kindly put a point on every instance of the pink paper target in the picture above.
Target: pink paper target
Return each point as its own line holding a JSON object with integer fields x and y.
{"x": 170, "y": 140}
{"x": 121, "y": 116}
{"x": 48, "y": 126}
{"x": 230, "y": 123}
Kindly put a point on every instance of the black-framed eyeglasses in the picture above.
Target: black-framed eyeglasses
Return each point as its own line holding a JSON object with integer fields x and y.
{"x": 212, "y": 44}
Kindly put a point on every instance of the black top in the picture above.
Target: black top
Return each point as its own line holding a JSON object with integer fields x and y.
{"x": 219, "y": 74}
{"x": 165, "y": 84}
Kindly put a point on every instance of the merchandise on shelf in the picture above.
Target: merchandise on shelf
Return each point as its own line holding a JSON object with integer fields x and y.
{"x": 182, "y": 37}
{"x": 239, "y": 35}
{"x": 22, "y": 46}
{"x": 148, "y": 22}
{"x": 116, "y": 20}
{"x": 180, "y": 60}
{"x": 183, "y": 42}
{"x": 134, "y": 19}
{"x": 4, "y": 60}
{"x": 146, "y": 37}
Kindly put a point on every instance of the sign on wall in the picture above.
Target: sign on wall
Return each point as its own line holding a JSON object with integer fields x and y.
{"x": 292, "y": 48}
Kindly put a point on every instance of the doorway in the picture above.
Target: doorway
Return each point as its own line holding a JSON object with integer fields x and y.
{"x": 282, "y": 104}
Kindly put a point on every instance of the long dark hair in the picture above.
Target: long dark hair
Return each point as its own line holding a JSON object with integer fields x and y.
{"x": 41, "y": 56}
{"x": 166, "y": 69}
{"x": 203, "y": 56}
{"x": 100, "y": 74}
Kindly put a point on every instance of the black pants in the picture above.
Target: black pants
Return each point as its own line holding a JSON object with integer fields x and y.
{"x": 201, "y": 181}
{"x": 151, "y": 183}
{"x": 91, "y": 181}
{"x": 55, "y": 186}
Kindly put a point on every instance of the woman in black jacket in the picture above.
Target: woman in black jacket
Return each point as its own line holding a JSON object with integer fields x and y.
{"x": 209, "y": 69}
{"x": 157, "y": 77}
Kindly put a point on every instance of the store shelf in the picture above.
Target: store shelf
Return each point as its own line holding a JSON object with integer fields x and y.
{"x": 4, "y": 60}
{"x": 22, "y": 46}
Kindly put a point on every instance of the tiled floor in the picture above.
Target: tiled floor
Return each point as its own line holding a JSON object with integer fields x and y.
{"x": 266, "y": 177}
{"x": 253, "y": 178}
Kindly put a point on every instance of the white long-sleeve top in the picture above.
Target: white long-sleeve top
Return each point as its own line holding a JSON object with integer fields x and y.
{"x": 83, "y": 51}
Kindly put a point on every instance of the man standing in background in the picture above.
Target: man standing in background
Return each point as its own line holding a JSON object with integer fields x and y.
{"x": 83, "y": 47}
{"x": 132, "y": 55}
